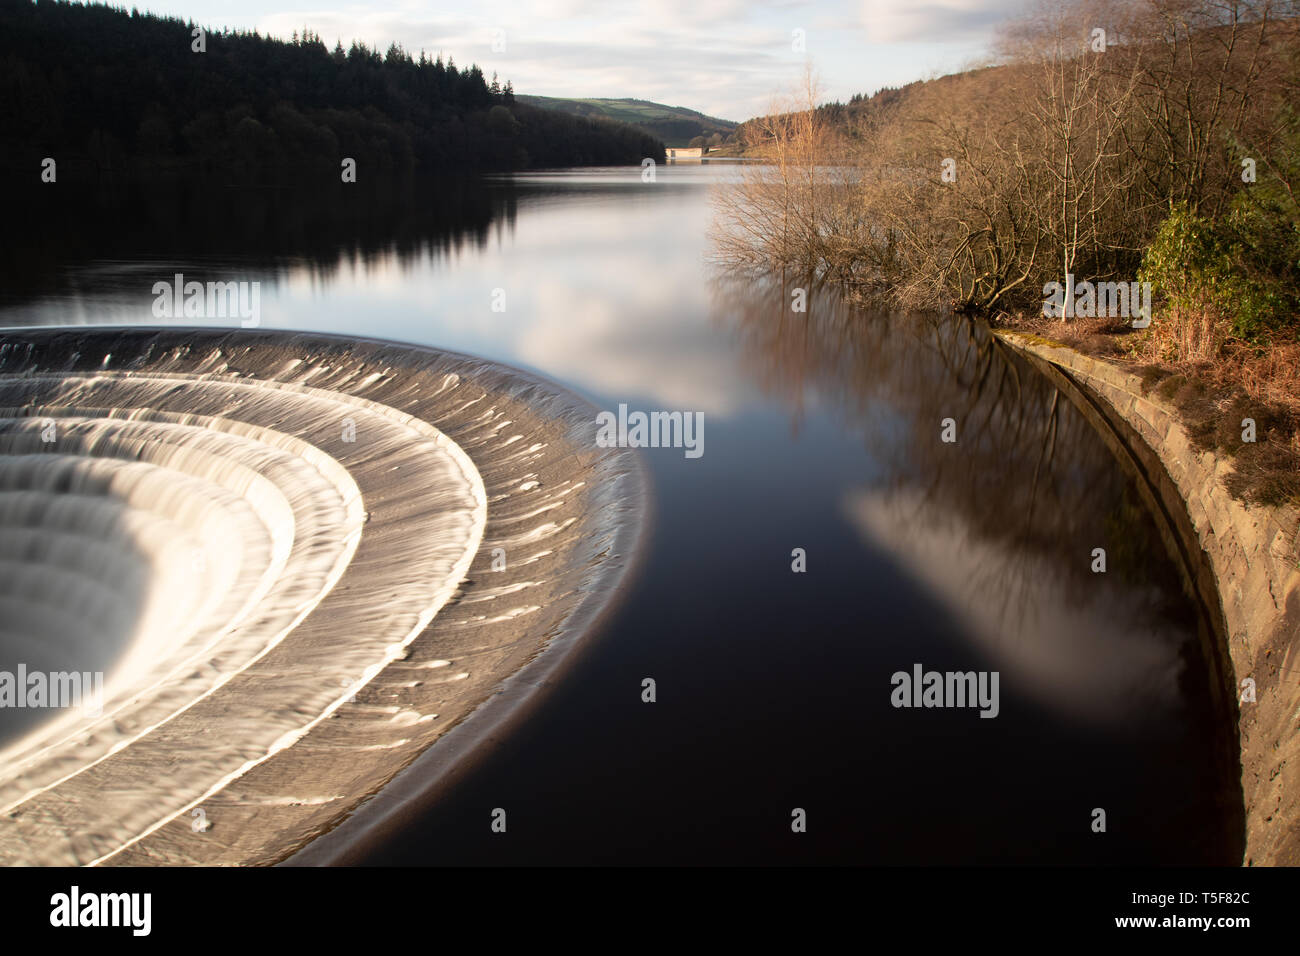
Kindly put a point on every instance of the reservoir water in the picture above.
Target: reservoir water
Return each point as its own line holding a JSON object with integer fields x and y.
{"x": 824, "y": 450}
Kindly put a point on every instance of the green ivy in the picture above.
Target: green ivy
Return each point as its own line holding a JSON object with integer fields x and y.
{"x": 1242, "y": 267}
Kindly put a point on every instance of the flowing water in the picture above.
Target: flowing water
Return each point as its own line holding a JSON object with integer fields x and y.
{"x": 822, "y": 448}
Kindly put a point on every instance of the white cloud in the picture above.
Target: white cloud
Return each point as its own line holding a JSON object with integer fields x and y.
{"x": 1101, "y": 661}
{"x": 934, "y": 21}
{"x": 594, "y": 340}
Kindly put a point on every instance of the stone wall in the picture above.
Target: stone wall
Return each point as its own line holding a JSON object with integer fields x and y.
{"x": 1249, "y": 557}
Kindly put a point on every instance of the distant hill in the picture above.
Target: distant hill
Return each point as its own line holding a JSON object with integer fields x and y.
{"x": 864, "y": 112}
{"x": 675, "y": 125}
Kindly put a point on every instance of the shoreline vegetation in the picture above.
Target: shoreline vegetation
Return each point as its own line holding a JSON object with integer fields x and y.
{"x": 1153, "y": 143}
{"x": 111, "y": 94}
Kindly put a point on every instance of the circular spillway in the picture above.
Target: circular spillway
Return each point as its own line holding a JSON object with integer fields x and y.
{"x": 227, "y": 557}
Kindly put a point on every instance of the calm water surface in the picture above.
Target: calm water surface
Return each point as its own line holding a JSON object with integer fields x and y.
{"x": 822, "y": 432}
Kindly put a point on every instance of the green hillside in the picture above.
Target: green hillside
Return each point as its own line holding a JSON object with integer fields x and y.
{"x": 675, "y": 125}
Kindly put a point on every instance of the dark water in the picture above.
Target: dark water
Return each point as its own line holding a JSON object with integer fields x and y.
{"x": 822, "y": 432}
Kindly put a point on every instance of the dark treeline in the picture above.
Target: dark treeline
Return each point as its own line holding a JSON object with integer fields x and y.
{"x": 107, "y": 91}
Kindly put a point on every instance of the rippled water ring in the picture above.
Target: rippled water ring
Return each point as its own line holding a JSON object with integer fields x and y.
{"x": 297, "y": 560}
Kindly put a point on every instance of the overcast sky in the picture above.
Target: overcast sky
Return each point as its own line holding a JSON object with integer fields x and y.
{"x": 728, "y": 58}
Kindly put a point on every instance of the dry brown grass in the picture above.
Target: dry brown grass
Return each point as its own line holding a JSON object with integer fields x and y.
{"x": 1184, "y": 336}
{"x": 1243, "y": 382}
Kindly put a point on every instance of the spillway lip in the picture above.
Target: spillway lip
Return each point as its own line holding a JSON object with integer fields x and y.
{"x": 561, "y": 525}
